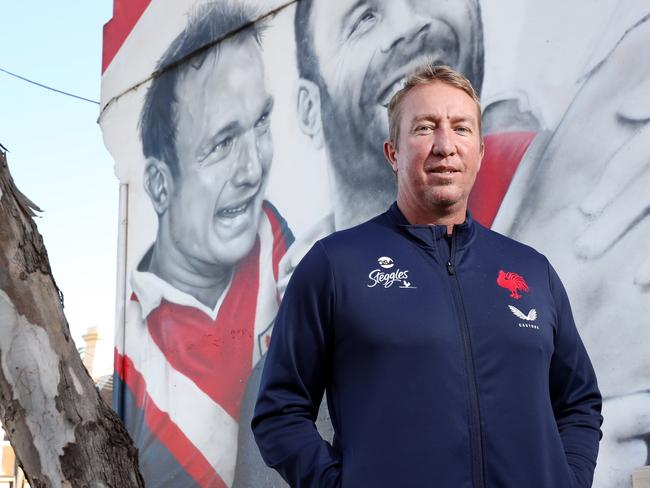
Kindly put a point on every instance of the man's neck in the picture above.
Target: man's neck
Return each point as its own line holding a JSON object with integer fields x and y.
{"x": 447, "y": 216}
{"x": 354, "y": 204}
{"x": 206, "y": 283}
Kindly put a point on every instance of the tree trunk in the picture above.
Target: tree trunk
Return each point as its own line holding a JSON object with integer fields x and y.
{"x": 62, "y": 432}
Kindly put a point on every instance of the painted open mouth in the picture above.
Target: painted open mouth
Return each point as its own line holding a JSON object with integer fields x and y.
{"x": 231, "y": 212}
{"x": 446, "y": 53}
{"x": 236, "y": 209}
{"x": 388, "y": 93}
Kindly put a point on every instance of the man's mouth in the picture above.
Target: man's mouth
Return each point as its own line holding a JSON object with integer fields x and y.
{"x": 236, "y": 209}
{"x": 387, "y": 94}
{"x": 443, "y": 170}
{"x": 231, "y": 212}
{"x": 439, "y": 45}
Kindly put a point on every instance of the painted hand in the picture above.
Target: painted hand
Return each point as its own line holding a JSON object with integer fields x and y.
{"x": 611, "y": 115}
{"x": 623, "y": 448}
{"x": 621, "y": 199}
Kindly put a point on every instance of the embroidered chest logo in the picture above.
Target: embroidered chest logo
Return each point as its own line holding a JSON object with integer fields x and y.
{"x": 386, "y": 279}
{"x": 531, "y": 317}
{"x": 516, "y": 283}
{"x": 513, "y": 282}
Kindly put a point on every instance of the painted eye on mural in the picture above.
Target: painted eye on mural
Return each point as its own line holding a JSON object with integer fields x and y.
{"x": 219, "y": 150}
{"x": 363, "y": 23}
{"x": 223, "y": 145}
{"x": 264, "y": 122}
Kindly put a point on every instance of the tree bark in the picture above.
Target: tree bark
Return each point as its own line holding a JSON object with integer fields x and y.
{"x": 62, "y": 432}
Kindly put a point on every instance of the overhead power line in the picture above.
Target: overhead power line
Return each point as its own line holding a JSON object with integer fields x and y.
{"x": 68, "y": 94}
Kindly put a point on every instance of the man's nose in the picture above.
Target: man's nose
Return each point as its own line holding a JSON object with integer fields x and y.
{"x": 403, "y": 25}
{"x": 248, "y": 169}
{"x": 443, "y": 143}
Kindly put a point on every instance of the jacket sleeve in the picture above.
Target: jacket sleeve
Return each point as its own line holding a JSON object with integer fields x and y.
{"x": 294, "y": 379}
{"x": 574, "y": 391}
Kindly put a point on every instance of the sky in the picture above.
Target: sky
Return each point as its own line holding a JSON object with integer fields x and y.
{"x": 56, "y": 153}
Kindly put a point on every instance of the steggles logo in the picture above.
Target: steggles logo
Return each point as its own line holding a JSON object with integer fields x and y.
{"x": 388, "y": 279}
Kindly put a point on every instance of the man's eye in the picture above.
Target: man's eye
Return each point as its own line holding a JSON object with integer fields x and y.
{"x": 218, "y": 151}
{"x": 264, "y": 121}
{"x": 423, "y": 129}
{"x": 223, "y": 145}
{"x": 463, "y": 130}
{"x": 363, "y": 24}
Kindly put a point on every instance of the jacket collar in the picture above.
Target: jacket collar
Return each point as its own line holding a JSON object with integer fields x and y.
{"x": 431, "y": 234}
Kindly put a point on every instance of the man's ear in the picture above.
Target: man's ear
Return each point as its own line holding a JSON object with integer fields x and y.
{"x": 480, "y": 157}
{"x": 391, "y": 154}
{"x": 309, "y": 111}
{"x": 158, "y": 183}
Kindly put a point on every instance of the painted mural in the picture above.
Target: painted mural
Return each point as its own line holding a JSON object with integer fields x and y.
{"x": 243, "y": 131}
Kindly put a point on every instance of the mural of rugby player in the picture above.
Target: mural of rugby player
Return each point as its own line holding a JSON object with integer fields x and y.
{"x": 205, "y": 293}
{"x": 585, "y": 201}
{"x": 352, "y": 57}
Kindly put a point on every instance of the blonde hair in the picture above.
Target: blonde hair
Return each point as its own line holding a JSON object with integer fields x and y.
{"x": 424, "y": 75}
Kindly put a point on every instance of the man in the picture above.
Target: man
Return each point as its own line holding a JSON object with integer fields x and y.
{"x": 205, "y": 293}
{"x": 352, "y": 57}
{"x": 448, "y": 352}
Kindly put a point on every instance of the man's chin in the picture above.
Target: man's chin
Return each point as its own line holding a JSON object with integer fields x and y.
{"x": 442, "y": 200}
{"x": 229, "y": 252}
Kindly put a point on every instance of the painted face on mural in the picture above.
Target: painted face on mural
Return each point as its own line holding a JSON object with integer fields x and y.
{"x": 365, "y": 50}
{"x": 224, "y": 148}
{"x": 439, "y": 150}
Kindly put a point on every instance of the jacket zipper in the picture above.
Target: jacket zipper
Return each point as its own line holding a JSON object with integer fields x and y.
{"x": 475, "y": 419}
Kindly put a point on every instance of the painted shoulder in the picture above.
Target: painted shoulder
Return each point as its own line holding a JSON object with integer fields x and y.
{"x": 360, "y": 235}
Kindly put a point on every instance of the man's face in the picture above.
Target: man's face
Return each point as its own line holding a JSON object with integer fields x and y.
{"x": 224, "y": 148}
{"x": 439, "y": 148}
{"x": 365, "y": 50}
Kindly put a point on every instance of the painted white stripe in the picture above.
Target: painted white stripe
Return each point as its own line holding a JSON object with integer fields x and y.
{"x": 205, "y": 423}
{"x": 267, "y": 306}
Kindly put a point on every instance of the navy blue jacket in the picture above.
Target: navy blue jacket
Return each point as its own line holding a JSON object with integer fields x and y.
{"x": 447, "y": 363}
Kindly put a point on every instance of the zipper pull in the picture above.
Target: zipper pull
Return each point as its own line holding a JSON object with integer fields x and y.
{"x": 450, "y": 268}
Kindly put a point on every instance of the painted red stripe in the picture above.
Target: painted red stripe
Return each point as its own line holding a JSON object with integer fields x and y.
{"x": 279, "y": 240}
{"x": 126, "y": 14}
{"x": 162, "y": 426}
{"x": 197, "y": 346}
{"x": 503, "y": 153}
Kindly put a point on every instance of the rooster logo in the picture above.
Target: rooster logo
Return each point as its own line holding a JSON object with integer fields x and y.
{"x": 512, "y": 282}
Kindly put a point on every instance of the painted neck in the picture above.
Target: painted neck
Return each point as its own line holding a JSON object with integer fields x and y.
{"x": 205, "y": 282}
{"x": 354, "y": 202}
